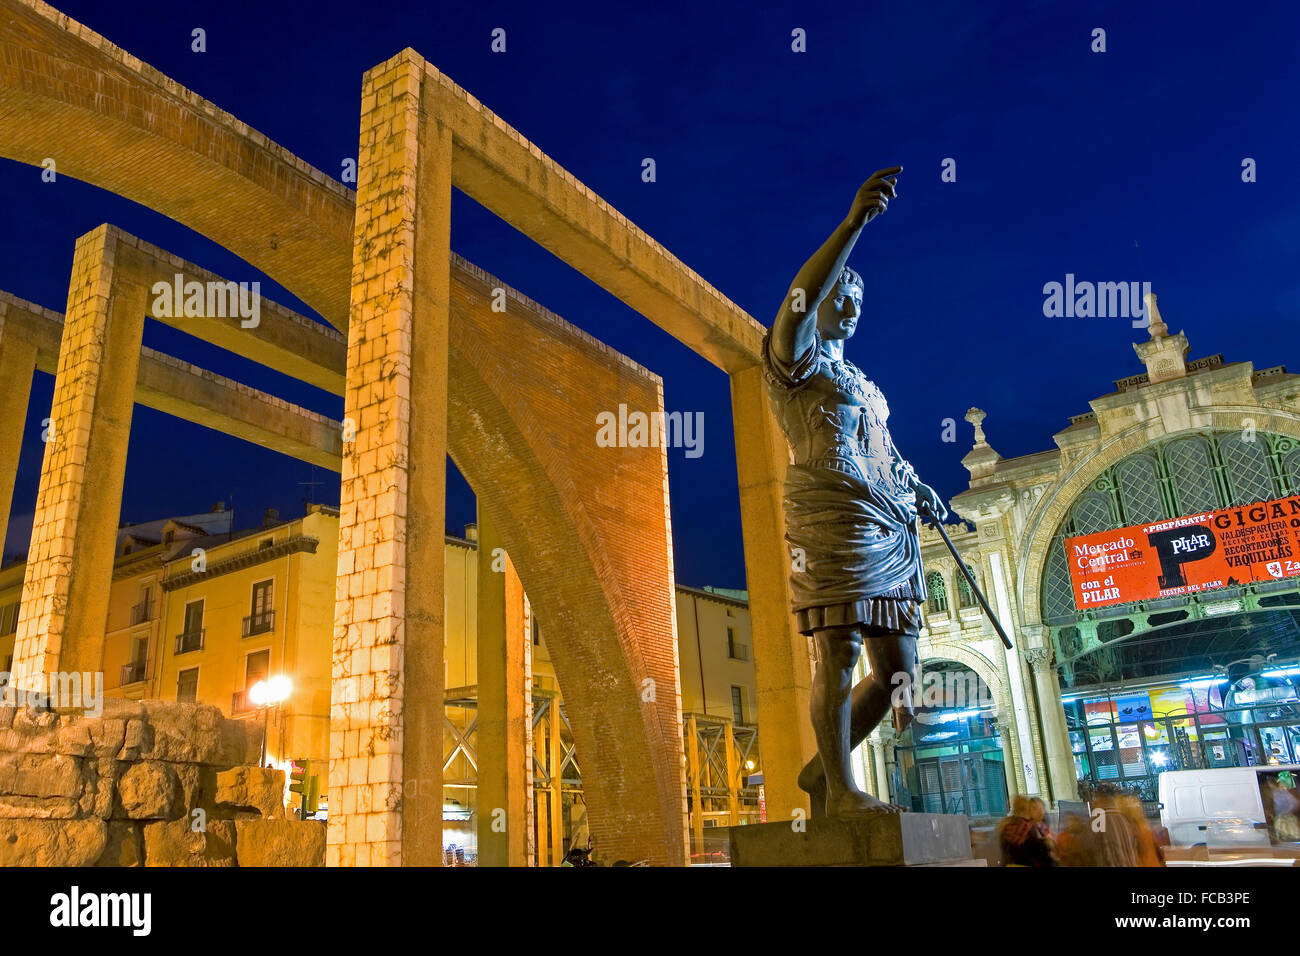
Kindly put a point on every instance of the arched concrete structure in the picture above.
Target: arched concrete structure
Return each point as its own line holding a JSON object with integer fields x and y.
{"x": 103, "y": 116}
{"x": 108, "y": 119}
{"x": 596, "y": 576}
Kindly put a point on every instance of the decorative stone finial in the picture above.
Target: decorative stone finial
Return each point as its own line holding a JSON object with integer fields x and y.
{"x": 1156, "y": 324}
{"x": 1164, "y": 355}
{"x": 976, "y": 416}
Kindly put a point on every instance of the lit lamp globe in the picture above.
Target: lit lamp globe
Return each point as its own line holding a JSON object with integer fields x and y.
{"x": 268, "y": 693}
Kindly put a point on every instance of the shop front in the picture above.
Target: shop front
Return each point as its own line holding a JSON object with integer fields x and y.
{"x": 951, "y": 758}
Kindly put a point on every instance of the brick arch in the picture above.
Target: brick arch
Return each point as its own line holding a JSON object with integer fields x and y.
{"x": 1055, "y": 503}
{"x": 587, "y": 529}
{"x": 114, "y": 122}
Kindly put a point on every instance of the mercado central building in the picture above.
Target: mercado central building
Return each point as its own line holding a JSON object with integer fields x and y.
{"x": 1127, "y": 690}
{"x": 546, "y": 663}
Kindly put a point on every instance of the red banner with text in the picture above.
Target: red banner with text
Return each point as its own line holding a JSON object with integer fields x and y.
{"x": 1215, "y": 549}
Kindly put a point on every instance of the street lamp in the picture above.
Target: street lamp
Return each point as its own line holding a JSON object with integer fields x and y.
{"x": 264, "y": 695}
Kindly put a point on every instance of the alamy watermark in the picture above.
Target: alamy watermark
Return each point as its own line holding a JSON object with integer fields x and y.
{"x": 962, "y": 690}
{"x": 60, "y": 690}
{"x": 651, "y": 430}
{"x": 1100, "y": 300}
{"x": 213, "y": 300}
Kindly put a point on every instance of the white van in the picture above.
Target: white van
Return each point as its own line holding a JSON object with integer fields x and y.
{"x": 1226, "y": 808}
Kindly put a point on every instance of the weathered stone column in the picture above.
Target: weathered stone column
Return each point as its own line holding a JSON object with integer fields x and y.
{"x": 882, "y": 772}
{"x": 386, "y": 721}
{"x": 17, "y": 365}
{"x": 1006, "y": 733}
{"x": 782, "y": 668}
{"x": 504, "y": 706}
{"x": 70, "y": 565}
{"x": 1056, "y": 735}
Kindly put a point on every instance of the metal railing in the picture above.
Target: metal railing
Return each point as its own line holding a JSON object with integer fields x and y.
{"x": 240, "y": 704}
{"x": 141, "y": 612}
{"x": 260, "y": 623}
{"x": 134, "y": 672}
{"x": 738, "y": 652}
{"x": 190, "y": 641}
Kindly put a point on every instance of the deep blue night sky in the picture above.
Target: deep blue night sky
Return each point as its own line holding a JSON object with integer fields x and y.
{"x": 1115, "y": 166}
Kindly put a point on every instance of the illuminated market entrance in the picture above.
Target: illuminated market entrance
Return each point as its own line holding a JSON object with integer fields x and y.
{"x": 1197, "y": 680}
{"x": 951, "y": 758}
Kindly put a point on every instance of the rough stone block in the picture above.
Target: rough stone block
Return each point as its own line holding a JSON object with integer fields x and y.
{"x": 252, "y": 789}
{"x": 39, "y": 808}
{"x": 176, "y": 843}
{"x": 28, "y": 720}
{"x": 133, "y": 739}
{"x": 239, "y": 743}
{"x": 189, "y": 733}
{"x": 875, "y": 839}
{"x": 121, "y": 708}
{"x": 72, "y": 737}
{"x": 6, "y": 717}
{"x": 198, "y": 783}
{"x": 51, "y": 842}
{"x": 148, "y": 790}
{"x": 124, "y": 845}
{"x": 107, "y": 736}
{"x": 40, "y": 775}
{"x": 280, "y": 842}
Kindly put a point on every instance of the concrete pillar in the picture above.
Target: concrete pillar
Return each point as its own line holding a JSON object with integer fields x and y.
{"x": 386, "y": 721}
{"x": 504, "y": 714}
{"x": 17, "y": 365}
{"x": 782, "y": 668}
{"x": 70, "y": 565}
{"x": 1056, "y": 735}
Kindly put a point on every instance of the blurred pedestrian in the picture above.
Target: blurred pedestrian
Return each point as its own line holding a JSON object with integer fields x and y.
{"x": 1021, "y": 839}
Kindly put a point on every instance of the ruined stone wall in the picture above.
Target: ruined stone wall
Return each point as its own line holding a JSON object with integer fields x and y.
{"x": 147, "y": 783}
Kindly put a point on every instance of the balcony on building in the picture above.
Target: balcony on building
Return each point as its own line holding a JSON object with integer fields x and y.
{"x": 134, "y": 673}
{"x": 141, "y": 612}
{"x": 240, "y": 704}
{"x": 189, "y": 641}
{"x": 260, "y": 623}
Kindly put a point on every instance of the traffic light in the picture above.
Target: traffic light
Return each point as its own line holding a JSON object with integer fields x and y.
{"x": 302, "y": 781}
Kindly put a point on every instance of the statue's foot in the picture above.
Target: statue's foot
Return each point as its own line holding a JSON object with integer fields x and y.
{"x": 852, "y": 802}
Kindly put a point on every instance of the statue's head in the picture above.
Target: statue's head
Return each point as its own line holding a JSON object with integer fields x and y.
{"x": 838, "y": 313}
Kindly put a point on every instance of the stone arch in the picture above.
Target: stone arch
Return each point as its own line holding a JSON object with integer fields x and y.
{"x": 988, "y": 671}
{"x": 1056, "y": 501}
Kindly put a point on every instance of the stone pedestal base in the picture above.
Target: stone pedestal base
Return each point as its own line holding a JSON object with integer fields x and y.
{"x": 877, "y": 839}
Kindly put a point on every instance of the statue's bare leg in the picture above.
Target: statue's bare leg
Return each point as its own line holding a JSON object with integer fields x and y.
{"x": 872, "y": 698}
{"x": 837, "y": 651}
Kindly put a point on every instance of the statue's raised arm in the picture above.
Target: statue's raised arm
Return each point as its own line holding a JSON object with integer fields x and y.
{"x": 792, "y": 332}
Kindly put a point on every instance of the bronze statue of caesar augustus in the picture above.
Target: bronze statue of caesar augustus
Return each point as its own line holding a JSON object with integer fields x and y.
{"x": 851, "y": 505}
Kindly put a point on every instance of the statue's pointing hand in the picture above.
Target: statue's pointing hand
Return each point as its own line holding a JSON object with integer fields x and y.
{"x": 873, "y": 198}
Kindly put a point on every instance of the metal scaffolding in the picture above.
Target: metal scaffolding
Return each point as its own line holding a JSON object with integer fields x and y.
{"x": 720, "y": 754}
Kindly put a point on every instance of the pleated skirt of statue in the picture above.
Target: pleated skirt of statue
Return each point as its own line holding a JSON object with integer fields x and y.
{"x": 857, "y": 558}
